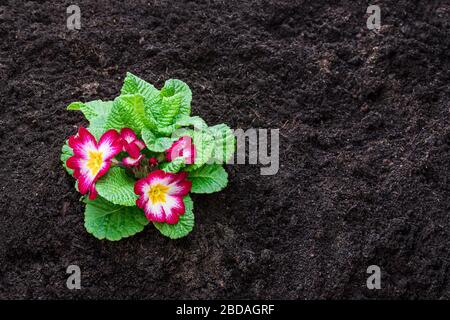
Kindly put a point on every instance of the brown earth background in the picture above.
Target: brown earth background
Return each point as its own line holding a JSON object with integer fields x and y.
{"x": 364, "y": 121}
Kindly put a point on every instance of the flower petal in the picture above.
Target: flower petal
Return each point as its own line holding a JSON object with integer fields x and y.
{"x": 131, "y": 162}
{"x": 140, "y": 202}
{"x": 174, "y": 151}
{"x": 159, "y": 176}
{"x": 139, "y": 143}
{"x": 183, "y": 147}
{"x": 154, "y": 212}
{"x": 133, "y": 150}
{"x": 110, "y": 144}
{"x": 180, "y": 188}
{"x": 103, "y": 169}
{"x": 82, "y": 143}
{"x": 85, "y": 181}
{"x": 93, "y": 192}
{"x": 76, "y": 173}
{"x": 85, "y": 135}
{"x": 140, "y": 186}
{"x": 74, "y": 162}
{"x": 128, "y": 135}
{"x": 189, "y": 155}
{"x": 173, "y": 208}
{"x": 180, "y": 176}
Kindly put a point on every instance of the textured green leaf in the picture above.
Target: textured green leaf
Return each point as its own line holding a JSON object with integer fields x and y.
{"x": 66, "y": 153}
{"x": 186, "y": 121}
{"x": 96, "y": 112}
{"x": 92, "y": 109}
{"x": 101, "y": 108}
{"x": 128, "y": 112}
{"x": 77, "y": 105}
{"x": 160, "y": 107}
{"x": 174, "y": 87}
{"x": 154, "y": 143}
{"x": 133, "y": 85}
{"x": 224, "y": 143}
{"x": 106, "y": 220}
{"x": 166, "y": 131}
{"x": 152, "y": 97}
{"x": 98, "y": 126}
{"x": 170, "y": 107}
{"x": 117, "y": 187}
{"x": 174, "y": 166}
{"x": 97, "y": 130}
{"x": 208, "y": 179}
{"x": 183, "y": 121}
{"x": 204, "y": 145}
{"x": 183, "y": 227}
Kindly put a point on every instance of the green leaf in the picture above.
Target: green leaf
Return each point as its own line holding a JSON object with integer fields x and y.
{"x": 92, "y": 109}
{"x": 166, "y": 131}
{"x": 128, "y": 112}
{"x": 208, "y": 179}
{"x": 174, "y": 87}
{"x": 77, "y": 105}
{"x": 154, "y": 143}
{"x": 117, "y": 187}
{"x": 106, "y": 220}
{"x": 97, "y": 131}
{"x": 204, "y": 145}
{"x": 152, "y": 98}
{"x": 102, "y": 110}
{"x": 186, "y": 121}
{"x": 96, "y": 112}
{"x": 183, "y": 227}
{"x": 98, "y": 124}
{"x": 170, "y": 106}
{"x": 66, "y": 153}
{"x": 224, "y": 143}
{"x": 135, "y": 85}
{"x": 160, "y": 107}
{"x": 183, "y": 121}
{"x": 174, "y": 166}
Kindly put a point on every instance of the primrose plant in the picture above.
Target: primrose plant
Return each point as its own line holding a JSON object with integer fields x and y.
{"x": 141, "y": 156}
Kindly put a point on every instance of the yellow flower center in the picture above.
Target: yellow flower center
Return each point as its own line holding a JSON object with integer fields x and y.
{"x": 95, "y": 161}
{"x": 157, "y": 193}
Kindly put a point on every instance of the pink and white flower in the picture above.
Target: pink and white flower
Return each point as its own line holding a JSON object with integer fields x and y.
{"x": 183, "y": 147}
{"x": 92, "y": 159}
{"x": 133, "y": 146}
{"x": 161, "y": 195}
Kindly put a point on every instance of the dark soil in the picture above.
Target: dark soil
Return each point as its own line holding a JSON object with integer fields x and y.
{"x": 364, "y": 175}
